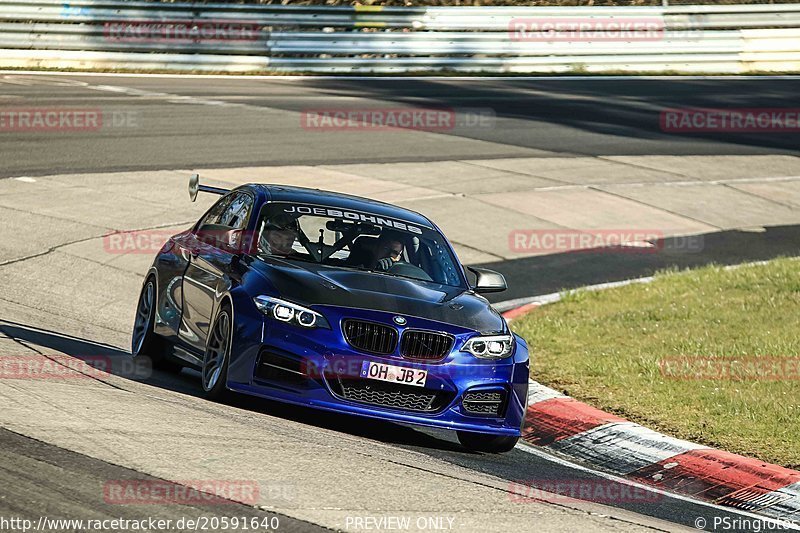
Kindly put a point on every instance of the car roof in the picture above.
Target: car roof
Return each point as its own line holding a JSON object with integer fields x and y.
{"x": 285, "y": 193}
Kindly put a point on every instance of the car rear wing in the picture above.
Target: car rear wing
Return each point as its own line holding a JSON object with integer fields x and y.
{"x": 195, "y": 187}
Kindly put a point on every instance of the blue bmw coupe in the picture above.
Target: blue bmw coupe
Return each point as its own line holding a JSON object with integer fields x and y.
{"x": 339, "y": 303}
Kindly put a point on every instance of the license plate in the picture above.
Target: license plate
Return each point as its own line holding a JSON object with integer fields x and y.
{"x": 394, "y": 374}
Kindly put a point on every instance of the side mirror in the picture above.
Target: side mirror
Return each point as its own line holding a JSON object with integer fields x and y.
{"x": 488, "y": 280}
{"x": 233, "y": 241}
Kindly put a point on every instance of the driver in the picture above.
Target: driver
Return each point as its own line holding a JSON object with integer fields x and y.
{"x": 389, "y": 250}
{"x": 278, "y": 235}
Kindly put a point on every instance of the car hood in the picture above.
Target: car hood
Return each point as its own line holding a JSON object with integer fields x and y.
{"x": 312, "y": 284}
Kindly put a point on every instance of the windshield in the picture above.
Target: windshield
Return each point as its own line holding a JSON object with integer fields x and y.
{"x": 358, "y": 240}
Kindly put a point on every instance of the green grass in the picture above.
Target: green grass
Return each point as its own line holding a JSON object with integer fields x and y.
{"x": 630, "y": 351}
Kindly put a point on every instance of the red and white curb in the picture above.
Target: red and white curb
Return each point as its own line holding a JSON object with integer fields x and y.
{"x": 591, "y": 437}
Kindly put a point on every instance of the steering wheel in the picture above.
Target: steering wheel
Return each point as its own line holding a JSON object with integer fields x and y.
{"x": 408, "y": 270}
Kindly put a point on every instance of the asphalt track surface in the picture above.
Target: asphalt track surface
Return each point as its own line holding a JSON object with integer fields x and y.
{"x": 534, "y": 118}
{"x": 257, "y": 123}
{"x": 43, "y": 480}
{"x": 69, "y": 483}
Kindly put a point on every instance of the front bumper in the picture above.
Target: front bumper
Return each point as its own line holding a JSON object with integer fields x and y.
{"x": 318, "y": 368}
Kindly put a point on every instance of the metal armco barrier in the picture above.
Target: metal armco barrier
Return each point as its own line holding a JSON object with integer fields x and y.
{"x": 88, "y": 34}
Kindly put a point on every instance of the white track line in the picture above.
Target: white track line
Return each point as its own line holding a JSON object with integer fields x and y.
{"x": 554, "y": 297}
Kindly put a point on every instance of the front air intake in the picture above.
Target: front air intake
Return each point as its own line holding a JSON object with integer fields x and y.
{"x": 485, "y": 402}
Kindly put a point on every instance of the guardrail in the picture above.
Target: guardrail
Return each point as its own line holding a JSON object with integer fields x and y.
{"x": 285, "y": 38}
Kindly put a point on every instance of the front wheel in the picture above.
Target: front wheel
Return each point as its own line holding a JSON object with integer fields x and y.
{"x": 144, "y": 341}
{"x": 483, "y": 442}
{"x": 215, "y": 361}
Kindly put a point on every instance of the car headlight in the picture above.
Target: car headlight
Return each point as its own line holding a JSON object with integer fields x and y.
{"x": 288, "y": 312}
{"x": 490, "y": 347}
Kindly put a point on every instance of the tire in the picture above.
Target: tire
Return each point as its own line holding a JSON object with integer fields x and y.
{"x": 483, "y": 442}
{"x": 144, "y": 341}
{"x": 217, "y": 356}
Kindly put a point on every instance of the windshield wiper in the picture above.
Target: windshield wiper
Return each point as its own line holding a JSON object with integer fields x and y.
{"x": 347, "y": 267}
{"x": 385, "y": 273}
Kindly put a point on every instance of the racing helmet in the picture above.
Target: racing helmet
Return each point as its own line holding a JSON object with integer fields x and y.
{"x": 281, "y": 222}
{"x": 277, "y": 222}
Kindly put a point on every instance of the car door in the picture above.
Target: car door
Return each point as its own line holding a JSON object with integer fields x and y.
{"x": 211, "y": 266}
{"x": 171, "y": 267}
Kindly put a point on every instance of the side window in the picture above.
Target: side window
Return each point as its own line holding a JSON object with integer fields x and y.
{"x": 232, "y": 211}
{"x": 238, "y": 211}
{"x": 214, "y": 214}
